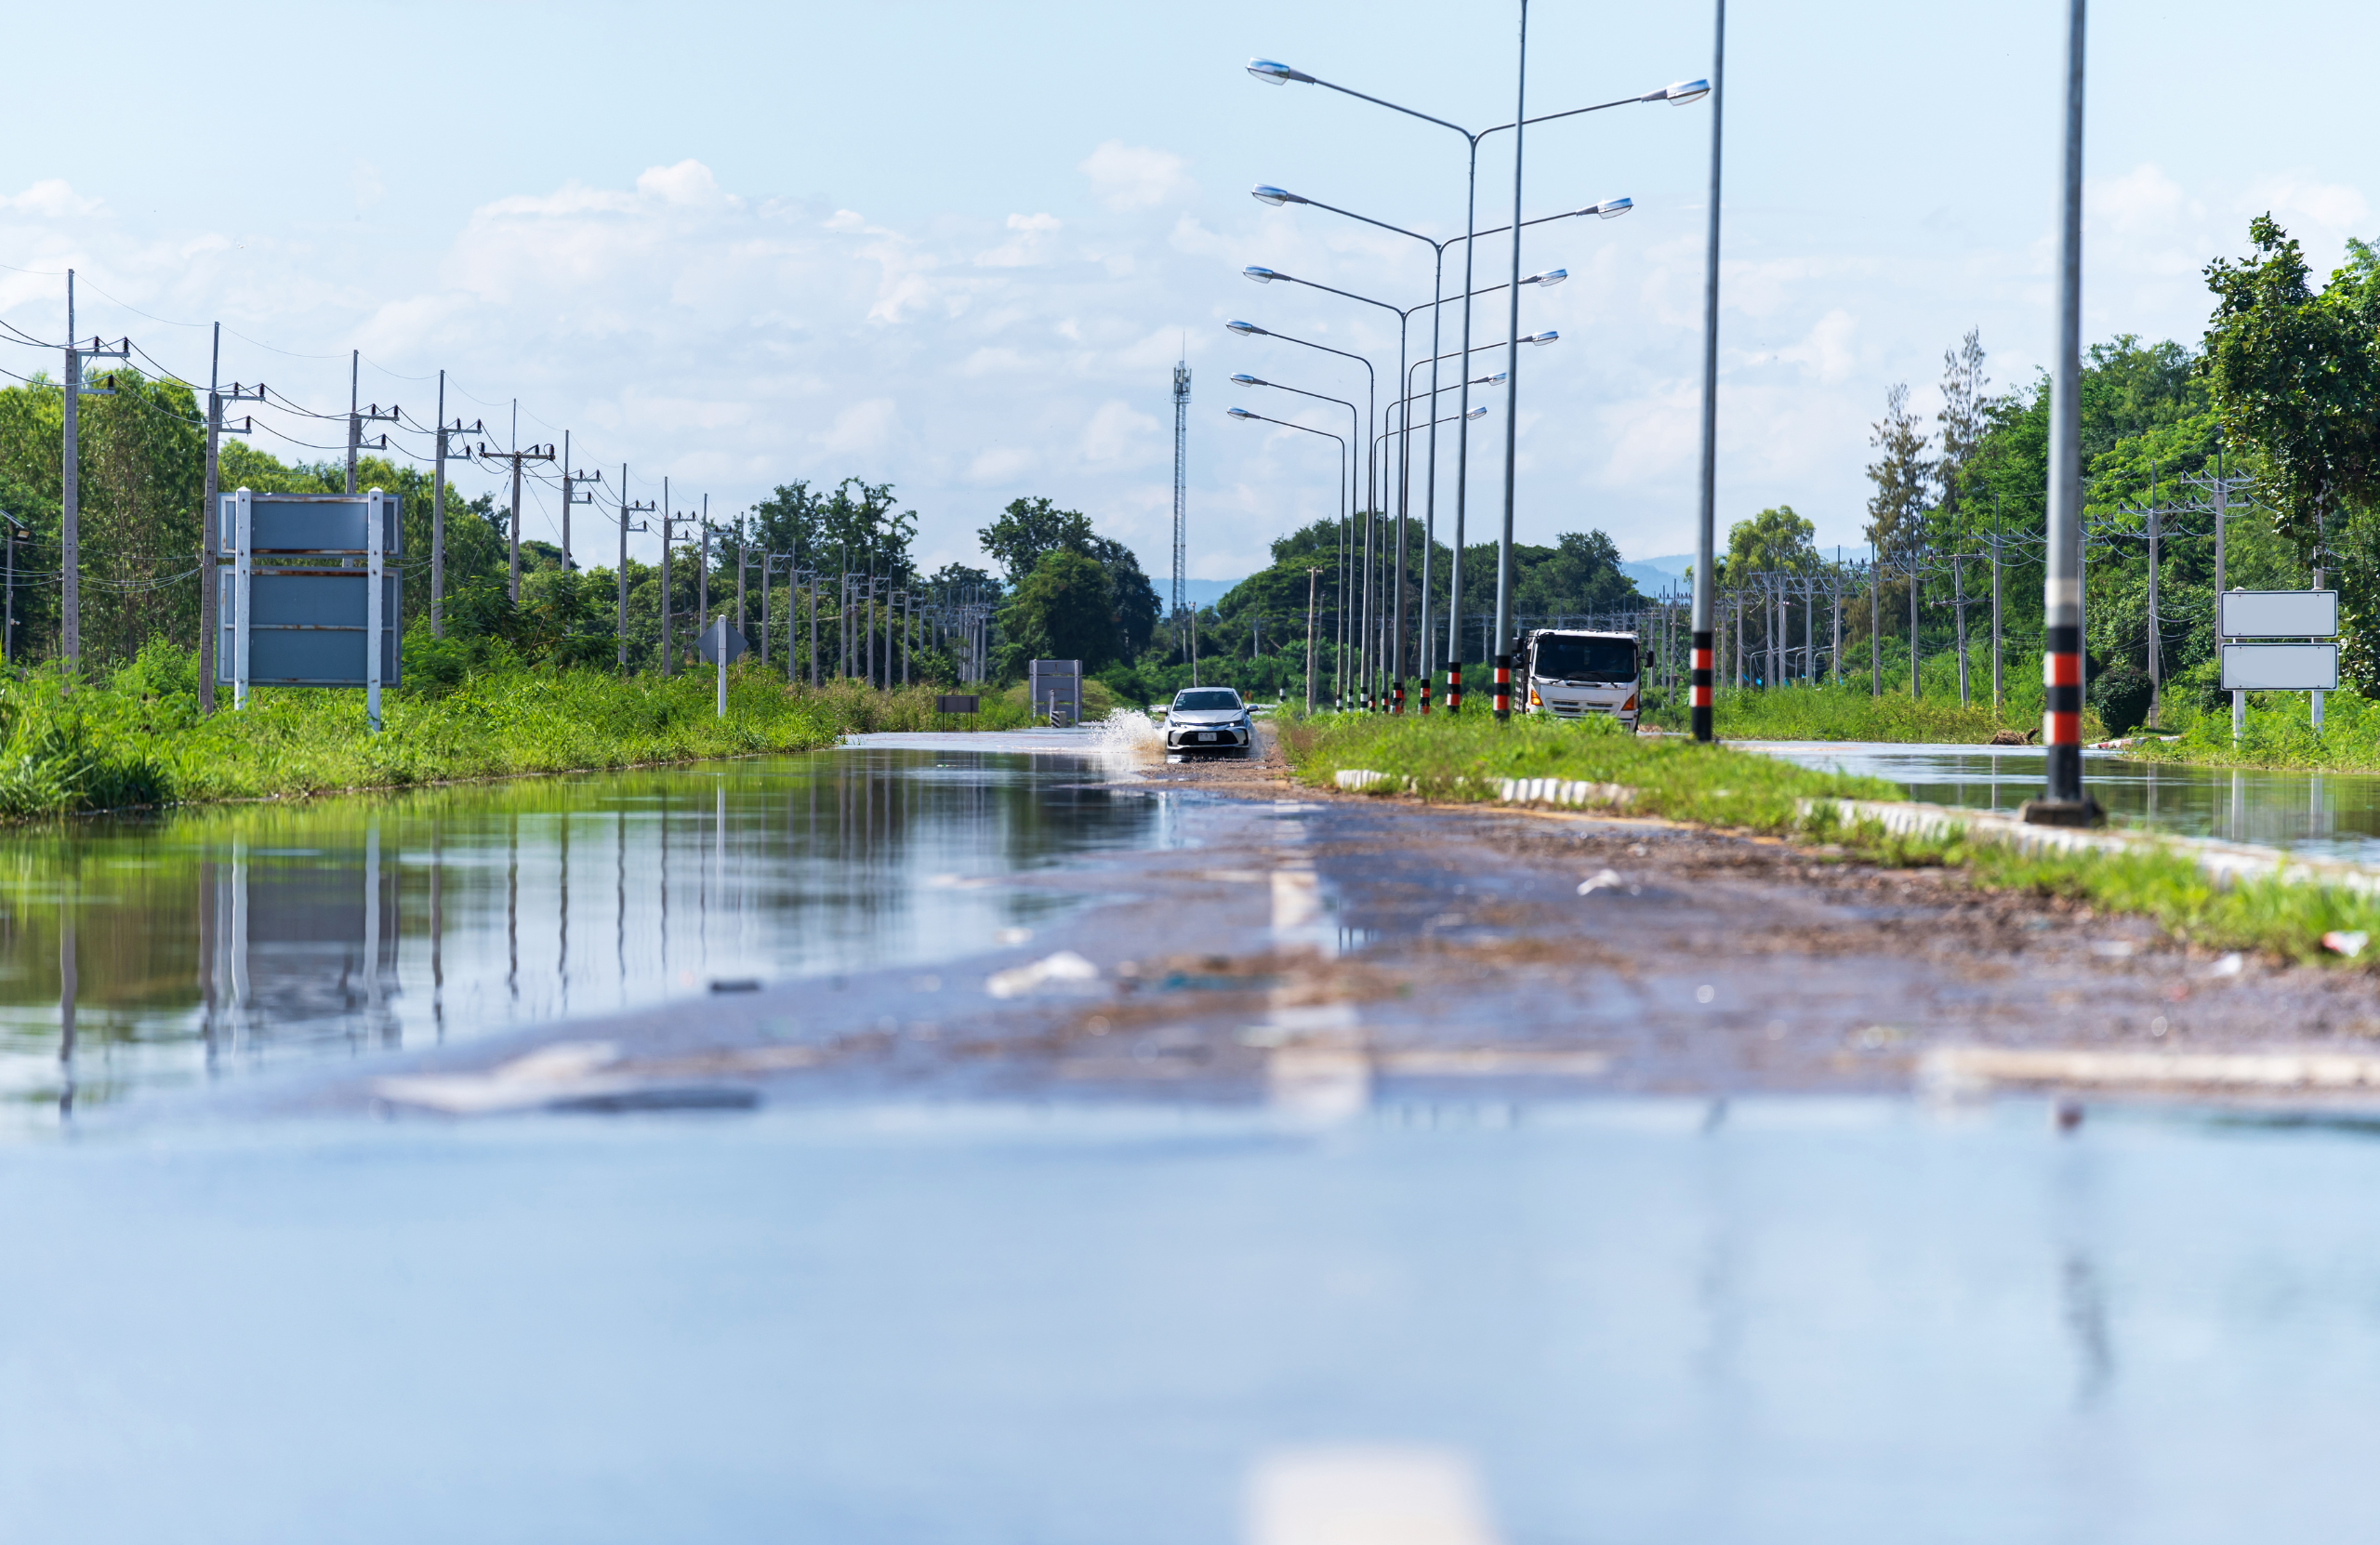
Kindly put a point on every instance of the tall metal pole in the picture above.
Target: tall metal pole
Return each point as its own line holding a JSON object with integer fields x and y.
{"x": 666, "y": 512}
{"x": 623, "y": 577}
{"x": 206, "y": 518}
{"x": 1707, "y": 523}
{"x": 566, "y": 501}
{"x": 1461, "y": 441}
{"x": 1312, "y": 577}
{"x": 354, "y": 418}
{"x": 1511, "y": 395}
{"x": 438, "y": 522}
{"x": 515, "y": 584}
{"x": 70, "y": 508}
{"x": 2062, "y": 801}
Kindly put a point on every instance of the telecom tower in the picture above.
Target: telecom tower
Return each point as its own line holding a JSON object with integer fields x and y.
{"x": 1181, "y": 469}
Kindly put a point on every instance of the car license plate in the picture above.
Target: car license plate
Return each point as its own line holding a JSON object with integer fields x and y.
{"x": 1209, "y": 736}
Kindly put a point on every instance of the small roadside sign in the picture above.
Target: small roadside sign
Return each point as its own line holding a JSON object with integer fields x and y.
{"x": 722, "y": 644}
{"x": 2279, "y": 614}
{"x": 2280, "y": 668}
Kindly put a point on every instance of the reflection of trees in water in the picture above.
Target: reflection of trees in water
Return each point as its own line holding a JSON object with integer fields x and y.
{"x": 256, "y": 925}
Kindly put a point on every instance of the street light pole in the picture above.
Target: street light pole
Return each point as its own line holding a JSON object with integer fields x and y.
{"x": 1512, "y": 395}
{"x": 1705, "y": 528}
{"x": 2063, "y": 802}
{"x": 1371, "y": 388}
{"x": 1347, "y": 482}
{"x": 1275, "y": 74}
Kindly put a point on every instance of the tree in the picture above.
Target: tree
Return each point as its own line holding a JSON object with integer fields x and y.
{"x": 1775, "y": 541}
{"x": 1897, "y": 510}
{"x": 1064, "y": 610}
{"x": 1963, "y": 421}
{"x": 1028, "y": 528}
{"x": 2297, "y": 374}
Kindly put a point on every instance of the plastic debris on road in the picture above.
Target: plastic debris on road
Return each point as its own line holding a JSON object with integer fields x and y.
{"x": 1063, "y": 967}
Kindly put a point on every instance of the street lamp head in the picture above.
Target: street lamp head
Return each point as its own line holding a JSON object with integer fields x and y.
{"x": 1262, "y": 275}
{"x": 1479, "y": 412}
{"x": 1678, "y": 93}
{"x": 1264, "y": 193}
{"x": 1244, "y": 380}
{"x": 1247, "y": 329}
{"x": 1272, "y": 74}
{"x": 1497, "y": 380}
{"x": 1541, "y": 339}
{"x": 1609, "y": 209}
{"x": 1240, "y": 413}
{"x": 1550, "y": 278}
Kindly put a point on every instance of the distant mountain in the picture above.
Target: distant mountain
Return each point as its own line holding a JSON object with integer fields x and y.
{"x": 1198, "y": 592}
{"x": 1654, "y": 575}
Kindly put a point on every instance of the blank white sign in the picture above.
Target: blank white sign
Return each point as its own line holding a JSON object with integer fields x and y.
{"x": 2279, "y": 614}
{"x": 2280, "y": 668}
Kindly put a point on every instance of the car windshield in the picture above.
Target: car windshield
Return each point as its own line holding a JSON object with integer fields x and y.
{"x": 1207, "y": 700}
{"x": 1569, "y": 657}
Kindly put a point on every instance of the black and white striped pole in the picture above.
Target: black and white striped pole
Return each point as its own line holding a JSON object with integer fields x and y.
{"x": 1705, "y": 541}
{"x": 2063, "y": 803}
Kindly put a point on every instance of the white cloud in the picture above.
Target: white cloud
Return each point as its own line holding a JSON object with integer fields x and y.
{"x": 1115, "y": 433}
{"x": 50, "y": 199}
{"x": 1127, "y": 177}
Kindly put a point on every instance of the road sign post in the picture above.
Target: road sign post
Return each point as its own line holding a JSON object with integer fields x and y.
{"x": 294, "y": 626}
{"x": 722, "y": 646}
{"x": 2311, "y": 667}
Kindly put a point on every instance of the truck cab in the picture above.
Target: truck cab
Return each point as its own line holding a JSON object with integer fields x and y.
{"x": 1571, "y": 673}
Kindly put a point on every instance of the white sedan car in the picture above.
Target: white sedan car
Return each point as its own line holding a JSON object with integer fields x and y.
{"x": 1207, "y": 719}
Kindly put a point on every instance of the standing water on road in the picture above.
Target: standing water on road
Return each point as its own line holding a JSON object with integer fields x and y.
{"x": 2319, "y": 814}
{"x": 161, "y": 951}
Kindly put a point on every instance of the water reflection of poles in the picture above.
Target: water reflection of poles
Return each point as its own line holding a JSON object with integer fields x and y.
{"x": 372, "y": 925}
{"x": 561, "y": 965}
{"x": 66, "y": 992}
{"x": 512, "y": 905}
{"x": 438, "y": 925}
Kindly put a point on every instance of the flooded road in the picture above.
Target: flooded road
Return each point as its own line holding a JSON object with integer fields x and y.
{"x": 1181, "y": 1158}
{"x": 2319, "y": 814}
{"x": 1625, "y": 1320}
{"x": 147, "y": 954}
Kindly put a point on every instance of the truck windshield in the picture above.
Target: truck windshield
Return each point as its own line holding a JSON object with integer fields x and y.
{"x": 1562, "y": 657}
{"x": 1208, "y": 700}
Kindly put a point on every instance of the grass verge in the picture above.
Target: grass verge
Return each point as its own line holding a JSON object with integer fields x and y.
{"x": 1851, "y": 713}
{"x": 136, "y": 736}
{"x": 1461, "y": 760}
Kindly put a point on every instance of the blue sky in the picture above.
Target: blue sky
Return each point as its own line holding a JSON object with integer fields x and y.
{"x": 959, "y": 247}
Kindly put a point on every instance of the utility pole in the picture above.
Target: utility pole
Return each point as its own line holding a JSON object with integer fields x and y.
{"x": 517, "y": 455}
{"x": 666, "y": 515}
{"x": 358, "y": 418}
{"x": 438, "y": 507}
{"x": 572, "y": 493}
{"x": 627, "y": 526}
{"x": 209, "y": 537}
{"x": 702, "y": 579}
{"x": 71, "y": 501}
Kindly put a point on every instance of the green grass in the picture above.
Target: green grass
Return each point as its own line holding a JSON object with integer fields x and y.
{"x": 2268, "y": 915}
{"x": 2279, "y": 733}
{"x": 1849, "y": 712}
{"x": 136, "y": 737}
{"x": 1461, "y": 759}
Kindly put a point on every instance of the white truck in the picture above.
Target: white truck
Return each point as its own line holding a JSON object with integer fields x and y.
{"x": 1571, "y": 673}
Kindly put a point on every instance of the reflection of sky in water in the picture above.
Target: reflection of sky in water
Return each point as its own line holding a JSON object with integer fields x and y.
{"x": 1625, "y": 1320}
{"x": 2322, "y": 814}
{"x": 231, "y": 937}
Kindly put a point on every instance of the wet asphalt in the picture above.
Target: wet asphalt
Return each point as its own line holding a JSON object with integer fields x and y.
{"x": 1304, "y": 944}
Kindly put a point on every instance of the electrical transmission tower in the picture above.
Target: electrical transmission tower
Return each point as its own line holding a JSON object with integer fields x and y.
{"x": 1181, "y": 467}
